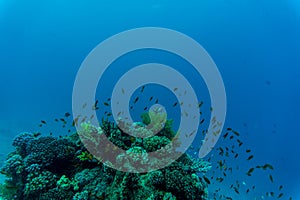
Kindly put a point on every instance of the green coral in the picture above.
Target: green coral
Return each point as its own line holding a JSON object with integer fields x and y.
{"x": 39, "y": 183}
{"x": 85, "y": 155}
{"x": 62, "y": 174}
{"x": 155, "y": 143}
{"x": 65, "y": 183}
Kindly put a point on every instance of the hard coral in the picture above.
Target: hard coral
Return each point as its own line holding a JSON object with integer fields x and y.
{"x": 48, "y": 168}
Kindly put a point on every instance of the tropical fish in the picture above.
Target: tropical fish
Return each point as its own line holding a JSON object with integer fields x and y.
{"x": 250, "y": 157}
{"x": 250, "y": 171}
{"x": 225, "y": 135}
{"x": 271, "y": 178}
{"x": 136, "y": 99}
{"x": 266, "y": 166}
{"x": 63, "y": 120}
{"x": 200, "y": 104}
{"x": 206, "y": 179}
{"x": 236, "y": 133}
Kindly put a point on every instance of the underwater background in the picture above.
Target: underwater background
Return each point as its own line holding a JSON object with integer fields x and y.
{"x": 255, "y": 45}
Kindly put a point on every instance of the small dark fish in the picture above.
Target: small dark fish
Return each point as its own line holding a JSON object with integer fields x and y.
{"x": 69, "y": 131}
{"x": 201, "y": 122}
{"x": 221, "y": 151}
{"x": 143, "y": 87}
{"x": 229, "y": 129}
{"x": 136, "y": 99}
{"x": 67, "y": 114}
{"x": 220, "y": 179}
{"x": 108, "y": 99}
{"x": 280, "y": 195}
{"x": 225, "y": 135}
{"x": 248, "y": 190}
{"x": 236, "y": 133}
{"x": 206, "y": 179}
{"x": 266, "y": 166}
{"x": 63, "y": 120}
{"x": 250, "y": 157}
{"x": 37, "y": 134}
{"x": 250, "y": 171}
{"x": 271, "y": 178}
{"x": 231, "y": 137}
{"x": 175, "y": 104}
{"x": 150, "y": 99}
{"x": 40, "y": 125}
{"x": 240, "y": 142}
{"x": 106, "y": 104}
{"x": 236, "y": 155}
{"x": 95, "y": 106}
{"x": 146, "y": 108}
{"x": 220, "y": 163}
{"x": 236, "y": 190}
{"x": 131, "y": 107}
{"x": 156, "y": 101}
{"x": 248, "y": 150}
{"x": 75, "y": 121}
{"x": 108, "y": 114}
{"x": 280, "y": 187}
{"x": 43, "y": 122}
{"x": 200, "y": 104}
{"x": 56, "y": 120}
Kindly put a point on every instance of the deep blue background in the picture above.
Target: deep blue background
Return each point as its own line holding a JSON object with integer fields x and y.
{"x": 255, "y": 45}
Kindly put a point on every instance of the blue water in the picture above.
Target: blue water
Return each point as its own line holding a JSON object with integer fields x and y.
{"x": 255, "y": 45}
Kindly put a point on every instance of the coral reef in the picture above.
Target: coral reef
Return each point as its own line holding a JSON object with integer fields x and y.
{"x": 46, "y": 167}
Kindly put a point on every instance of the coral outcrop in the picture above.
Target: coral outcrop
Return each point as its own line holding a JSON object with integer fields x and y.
{"x": 46, "y": 167}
